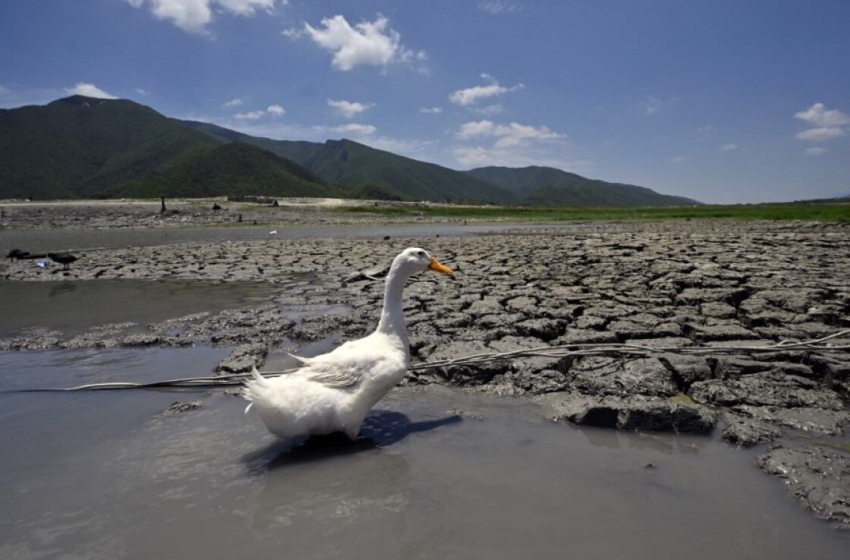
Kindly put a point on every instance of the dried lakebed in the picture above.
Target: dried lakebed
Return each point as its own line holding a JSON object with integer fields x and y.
{"x": 670, "y": 285}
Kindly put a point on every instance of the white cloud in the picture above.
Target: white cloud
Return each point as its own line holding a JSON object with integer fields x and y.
{"x": 728, "y": 147}
{"x": 141, "y": 91}
{"x": 3, "y": 90}
{"x": 250, "y": 115}
{"x": 479, "y": 156}
{"x": 193, "y": 15}
{"x": 249, "y": 7}
{"x": 651, "y": 105}
{"x": 431, "y": 110}
{"x": 816, "y": 151}
{"x": 679, "y": 159}
{"x": 821, "y": 134}
{"x": 705, "y": 129}
{"x": 365, "y": 44}
{"x": 489, "y": 110}
{"x": 496, "y": 7}
{"x": 510, "y": 135}
{"x": 89, "y": 90}
{"x": 354, "y": 128}
{"x": 818, "y": 116}
{"x": 349, "y": 109}
{"x": 276, "y": 110}
{"x": 470, "y": 96}
{"x": 233, "y": 103}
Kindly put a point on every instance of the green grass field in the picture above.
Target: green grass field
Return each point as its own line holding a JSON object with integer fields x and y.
{"x": 819, "y": 212}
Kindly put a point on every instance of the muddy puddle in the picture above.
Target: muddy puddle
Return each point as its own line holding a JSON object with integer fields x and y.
{"x": 436, "y": 474}
{"x": 71, "y": 307}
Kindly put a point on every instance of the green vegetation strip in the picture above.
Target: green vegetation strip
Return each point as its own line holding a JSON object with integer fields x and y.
{"x": 819, "y": 212}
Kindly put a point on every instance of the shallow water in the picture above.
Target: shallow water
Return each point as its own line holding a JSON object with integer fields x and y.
{"x": 436, "y": 474}
{"x": 38, "y": 241}
{"x": 71, "y": 307}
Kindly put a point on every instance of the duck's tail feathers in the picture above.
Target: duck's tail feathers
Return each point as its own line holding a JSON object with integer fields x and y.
{"x": 258, "y": 378}
{"x": 305, "y": 361}
{"x": 253, "y": 387}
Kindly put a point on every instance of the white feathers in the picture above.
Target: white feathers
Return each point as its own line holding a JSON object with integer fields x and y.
{"x": 334, "y": 392}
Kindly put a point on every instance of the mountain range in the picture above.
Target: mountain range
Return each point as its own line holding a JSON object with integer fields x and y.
{"x": 82, "y": 147}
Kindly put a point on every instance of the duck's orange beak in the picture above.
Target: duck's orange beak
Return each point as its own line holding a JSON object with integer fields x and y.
{"x": 437, "y": 267}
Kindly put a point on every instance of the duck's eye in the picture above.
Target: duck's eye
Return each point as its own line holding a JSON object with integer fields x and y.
{"x": 421, "y": 253}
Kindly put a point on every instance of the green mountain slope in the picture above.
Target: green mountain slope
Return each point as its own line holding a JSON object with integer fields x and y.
{"x": 354, "y": 165}
{"x": 546, "y": 186}
{"x": 86, "y": 147}
{"x": 227, "y": 170}
{"x": 80, "y": 146}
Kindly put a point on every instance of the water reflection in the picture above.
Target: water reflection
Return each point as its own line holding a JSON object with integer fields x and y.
{"x": 327, "y": 495}
{"x": 62, "y": 288}
{"x": 662, "y": 442}
{"x": 381, "y": 428}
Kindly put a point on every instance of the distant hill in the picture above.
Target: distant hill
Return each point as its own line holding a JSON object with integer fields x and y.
{"x": 354, "y": 165}
{"x": 82, "y": 147}
{"x": 227, "y": 170}
{"x": 546, "y": 186}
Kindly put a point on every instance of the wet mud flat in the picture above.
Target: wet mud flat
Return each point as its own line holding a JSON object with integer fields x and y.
{"x": 665, "y": 285}
{"x": 182, "y": 213}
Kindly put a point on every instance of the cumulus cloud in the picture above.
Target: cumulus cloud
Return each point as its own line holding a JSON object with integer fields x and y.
{"x": 510, "y": 135}
{"x": 89, "y": 90}
{"x": 470, "y": 96}
{"x": 489, "y": 110}
{"x": 355, "y": 128}
{"x": 365, "y": 44}
{"x": 233, "y": 103}
{"x": 250, "y": 115}
{"x": 728, "y": 147}
{"x": 817, "y": 115}
{"x": 194, "y": 15}
{"x": 431, "y": 110}
{"x": 276, "y": 110}
{"x": 349, "y": 109}
{"x": 816, "y": 151}
{"x": 479, "y": 156}
{"x": 821, "y": 134}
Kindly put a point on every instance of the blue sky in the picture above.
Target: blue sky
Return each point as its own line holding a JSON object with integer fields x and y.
{"x": 722, "y": 101}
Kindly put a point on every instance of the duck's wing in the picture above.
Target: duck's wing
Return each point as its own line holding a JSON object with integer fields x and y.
{"x": 347, "y": 365}
{"x": 337, "y": 376}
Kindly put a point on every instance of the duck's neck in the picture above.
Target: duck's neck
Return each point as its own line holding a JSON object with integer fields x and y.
{"x": 392, "y": 315}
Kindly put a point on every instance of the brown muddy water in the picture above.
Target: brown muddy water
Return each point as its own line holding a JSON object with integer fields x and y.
{"x": 437, "y": 473}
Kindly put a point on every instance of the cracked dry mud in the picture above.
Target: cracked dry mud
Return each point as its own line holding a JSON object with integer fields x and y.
{"x": 681, "y": 284}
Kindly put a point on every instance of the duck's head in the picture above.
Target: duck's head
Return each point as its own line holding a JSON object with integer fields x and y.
{"x": 415, "y": 260}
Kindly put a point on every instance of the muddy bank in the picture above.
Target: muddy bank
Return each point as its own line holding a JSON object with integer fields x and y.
{"x": 706, "y": 284}
{"x": 181, "y": 213}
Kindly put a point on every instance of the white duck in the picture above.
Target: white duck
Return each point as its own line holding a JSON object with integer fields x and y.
{"x": 335, "y": 391}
